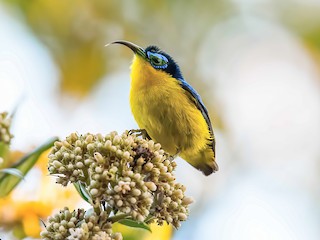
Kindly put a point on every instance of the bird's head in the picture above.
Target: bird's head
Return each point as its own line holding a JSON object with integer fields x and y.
{"x": 155, "y": 57}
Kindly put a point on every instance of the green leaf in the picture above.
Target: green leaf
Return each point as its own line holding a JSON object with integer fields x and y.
{"x": 9, "y": 181}
{"x": 135, "y": 224}
{"x": 12, "y": 171}
{"x": 82, "y": 192}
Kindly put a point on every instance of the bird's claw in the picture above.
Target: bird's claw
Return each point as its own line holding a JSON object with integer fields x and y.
{"x": 140, "y": 132}
{"x": 172, "y": 157}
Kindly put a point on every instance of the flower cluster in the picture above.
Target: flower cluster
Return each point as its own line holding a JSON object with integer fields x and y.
{"x": 131, "y": 175}
{"x": 78, "y": 225}
{"x": 5, "y": 123}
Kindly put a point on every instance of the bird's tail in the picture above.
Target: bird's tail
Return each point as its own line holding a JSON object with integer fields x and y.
{"x": 203, "y": 161}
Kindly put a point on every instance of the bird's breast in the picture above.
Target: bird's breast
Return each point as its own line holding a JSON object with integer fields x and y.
{"x": 159, "y": 105}
{"x": 153, "y": 107}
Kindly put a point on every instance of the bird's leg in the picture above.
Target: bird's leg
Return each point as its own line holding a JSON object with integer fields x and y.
{"x": 140, "y": 132}
{"x": 172, "y": 157}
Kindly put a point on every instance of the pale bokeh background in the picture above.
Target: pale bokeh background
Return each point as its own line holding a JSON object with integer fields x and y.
{"x": 255, "y": 63}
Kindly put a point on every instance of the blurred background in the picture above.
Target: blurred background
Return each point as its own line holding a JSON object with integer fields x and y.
{"x": 254, "y": 62}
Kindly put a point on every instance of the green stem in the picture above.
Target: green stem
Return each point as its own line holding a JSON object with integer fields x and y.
{"x": 4, "y": 150}
{"x": 149, "y": 218}
{"x": 97, "y": 207}
{"x": 108, "y": 210}
{"x": 97, "y": 210}
{"x": 86, "y": 176}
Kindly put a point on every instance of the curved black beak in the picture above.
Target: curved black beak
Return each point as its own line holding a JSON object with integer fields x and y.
{"x": 135, "y": 48}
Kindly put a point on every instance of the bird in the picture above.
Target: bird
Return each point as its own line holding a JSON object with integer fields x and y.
{"x": 169, "y": 109}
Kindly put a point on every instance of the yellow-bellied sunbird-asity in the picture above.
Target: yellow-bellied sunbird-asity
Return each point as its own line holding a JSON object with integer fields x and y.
{"x": 169, "y": 109}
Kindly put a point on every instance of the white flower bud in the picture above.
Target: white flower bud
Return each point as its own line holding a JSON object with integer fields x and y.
{"x": 94, "y": 192}
{"x": 140, "y": 218}
{"x": 89, "y": 138}
{"x": 148, "y": 166}
{"x": 136, "y": 192}
{"x": 187, "y": 200}
{"x": 98, "y": 157}
{"x": 57, "y": 164}
{"x": 98, "y": 170}
{"x": 79, "y": 165}
{"x": 151, "y": 186}
{"x": 126, "y": 155}
{"x": 66, "y": 144}
{"x": 116, "y": 140}
{"x": 182, "y": 216}
{"x": 90, "y": 147}
{"x": 119, "y": 203}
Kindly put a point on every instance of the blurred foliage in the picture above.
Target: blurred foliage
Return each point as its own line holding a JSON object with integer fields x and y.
{"x": 302, "y": 19}
{"x": 10, "y": 177}
{"x": 13, "y": 171}
{"x": 22, "y": 210}
{"x": 75, "y": 40}
{"x": 75, "y": 32}
{"x": 18, "y": 215}
{"x": 158, "y": 232}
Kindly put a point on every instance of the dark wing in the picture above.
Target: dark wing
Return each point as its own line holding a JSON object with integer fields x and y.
{"x": 195, "y": 97}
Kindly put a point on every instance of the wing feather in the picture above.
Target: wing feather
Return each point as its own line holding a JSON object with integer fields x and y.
{"x": 195, "y": 97}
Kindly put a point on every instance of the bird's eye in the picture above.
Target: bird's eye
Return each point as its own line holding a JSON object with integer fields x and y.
{"x": 157, "y": 60}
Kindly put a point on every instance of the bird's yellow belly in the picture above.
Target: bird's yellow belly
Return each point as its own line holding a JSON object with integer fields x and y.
{"x": 170, "y": 119}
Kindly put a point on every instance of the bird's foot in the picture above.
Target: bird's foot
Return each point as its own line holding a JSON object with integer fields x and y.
{"x": 172, "y": 157}
{"x": 140, "y": 132}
